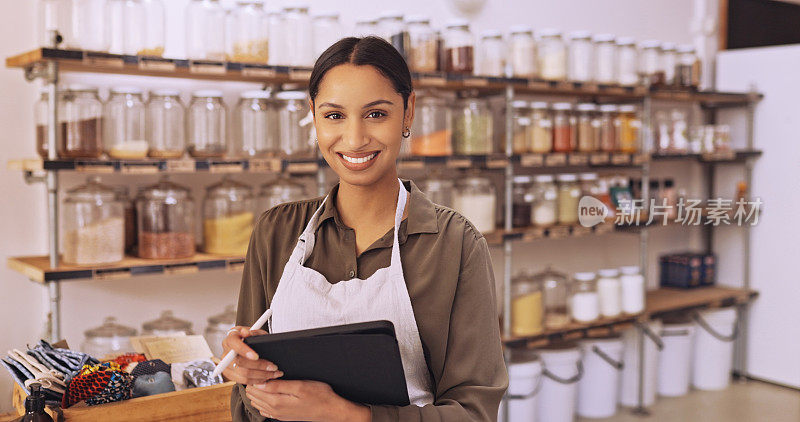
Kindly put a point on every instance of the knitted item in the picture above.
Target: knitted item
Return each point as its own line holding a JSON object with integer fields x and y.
{"x": 150, "y": 367}
{"x": 98, "y": 384}
{"x": 125, "y": 360}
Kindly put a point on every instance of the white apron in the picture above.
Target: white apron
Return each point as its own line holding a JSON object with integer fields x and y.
{"x": 304, "y": 299}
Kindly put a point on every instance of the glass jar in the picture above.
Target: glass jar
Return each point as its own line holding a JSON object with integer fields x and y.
{"x": 541, "y": 128}
{"x": 80, "y": 116}
{"x": 608, "y": 129}
{"x": 126, "y": 26}
{"x": 207, "y": 124}
{"x": 581, "y": 57}
{"x": 492, "y": 54}
{"x": 54, "y": 19}
{"x": 632, "y": 286}
{"x": 165, "y": 213}
{"x": 588, "y": 127}
{"x": 294, "y": 123}
{"x": 255, "y": 125}
{"x": 522, "y": 200}
{"x": 523, "y": 131}
{"x": 122, "y": 195}
{"x": 94, "y": 225}
{"x": 475, "y": 199}
{"x": 583, "y": 299}
{"x": 650, "y": 62}
{"x": 687, "y": 73}
{"x": 249, "y": 33}
{"x": 42, "y": 123}
{"x": 108, "y": 340}
{"x": 627, "y": 62}
{"x": 552, "y": 55}
{"x": 217, "y": 329}
{"x": 629, "y": 127}
{"x": 298, "y": 49}
{"x": 327, "y": 30}
{"x": 522, "y": 52}
{"x": 545, "y": 201}
{"x": 473, "y": 127}
{"x": 154, "y": 37}
{"x": 589, "y": 184}
{"x": 564, "y": 132}
{"x": 228, "y": 218}
{"x": 439, "y": 190}
{"x": 423, "y": 45}
{"x": 432, "y": 128}
{"x": 679, "y": 132}
{"x": 124, "y": 124}
{"x": 366, "y": 27}
{"x": 609, "y": 292}
{"x": 569, "y": 194}
{"x": 167, "y": 325}
{"x": 459, "y": 48}
{"x": 274, "y": 22}
{"x": 89, "y": 25}
{"x": 205, "y": 30}
{"x": 605, "y": 63}
{"x": 166, "y": 124}
{"x": 279, "y": 191}
{"x": 527, "y": 313}
{"x": 555, "y": 292}
{"x": 393, "y": 29}
{"x": 669, "y": 59}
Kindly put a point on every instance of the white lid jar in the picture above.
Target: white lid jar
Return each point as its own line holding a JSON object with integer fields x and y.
{"x": 552, "y": 53}
{"x": 605, "y": 63}
{"x": 327, "y": 30}
{"x": 522, "y": 52}
{"x": 476, "y": 200}
{"x": 167, "y": 325}
{"x": 584, "y": 302}
{"x": 632, "y": 285}
{"x": 627, "y": 62}
{"x": 492, "y": 54}
{"x": 423, "y": 49}
{"x": 459, "y": 45}
{"x": 609, "y": 291}
{"x": 581, "y": 57}
{"x": 545, "y": 201}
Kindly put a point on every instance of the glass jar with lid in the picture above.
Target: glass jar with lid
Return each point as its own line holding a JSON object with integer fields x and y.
{"x": 476, "y": 200}
{"x": 669, "y": 59}
{"x": 327, "y": 30}
{"x": 522, "y": 52}
{"x": 590, "y": 184}
{"x": 431, "y": 132}
{"x": 629, "y": 128}
{"x": 249, "y": 33}
{"x": 650, "y": 62}
{"x": 228, "y": 214}
{"x": 422, "y": 44}
{"x": 583, "y": 300}
{"x": 166, "y": 325}
{"x": 492, "y": 54}
{"x": 122, "y": 194}
{"x": 564, "y": 133}
{"x": 166, "y": 217}
{"x": 366, "y": 27}
{"x": 438, "y": 189}
{"x": 126, "y": 26}
{"x": 605, "y": 63}
{"x": 687, "y": 73}
{"x": 541, "y": 128}
{"x": 41, "y": 117}
{"x": 627, "y": 62}
{"x": 294, "y": 123}
{"x": 166, "y": 124}
{"x": 393, "y": 30}
{"x": 54, "y": 20}
{"x": 473, "y": 127}
{"x": 298, "y": 49}
{"x": 80, "y": 116}
{"x": 588, "y": 127}
{"x": 522, "y": 200}
{"x": 581, "y": 57}
{"x": 527, "y": 305}
{"x": 207, "y": 124}
{"x": 205, "y": 30}
{"x": 217, "y": 329}
{"x": 569, "y": 194}
{"x": 274, "y": 22}
{"x": 125, "y": 124}
{"x": 255, "y": 125}
{"x": 552, "y": 53}
{"x": 555, "y": 292}
{"x": 523, "y": 130}
{"x": 154, "y": 35}
{"x": 459, "y": 46}
{"x": 279, "y": 191}
{"x": 545, "y": 201}
{"x": 94, "y": 225}
{"x": 609, "y": 292}
{"x": 608, "y": 128}
{"x": 110, "y": 339}
{"x": 89, "y": 25}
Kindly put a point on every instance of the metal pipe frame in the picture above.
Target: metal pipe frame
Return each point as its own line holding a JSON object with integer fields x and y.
{"x": 507, "y": 247}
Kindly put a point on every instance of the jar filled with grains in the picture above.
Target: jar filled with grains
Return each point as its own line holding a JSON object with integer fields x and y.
{"x": 545, "y": 201}
{"x": 473, "y": 127}
{"x": 166, "y": 217}
{"x": 541, "y": 128}
{"x": 588, "y": 127}
{"x": 228, "y": 214}
{"x": 608, "y": 132}
{"x": 569, "y": 194}
{"x": 94, "y": 225}
{"x": 563, "y": 128}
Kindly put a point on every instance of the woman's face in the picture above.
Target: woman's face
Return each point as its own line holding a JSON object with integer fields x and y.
{"x": 360, "y": 120}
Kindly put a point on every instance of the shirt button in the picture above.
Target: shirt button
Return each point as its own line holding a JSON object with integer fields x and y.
{"x": 352, "y": 273}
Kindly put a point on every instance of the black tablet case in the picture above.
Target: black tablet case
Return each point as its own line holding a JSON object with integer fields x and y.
{"x": 361, "y": 362}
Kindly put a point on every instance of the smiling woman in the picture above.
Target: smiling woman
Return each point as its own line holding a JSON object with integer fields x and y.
{"x": 375, "y": 248}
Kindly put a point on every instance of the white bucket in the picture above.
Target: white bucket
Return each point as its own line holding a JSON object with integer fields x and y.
{"x": 629, "y": 383}
{"x": 675, "y": 363}
{"x": 713, "y": 349}
{"x": 599, "y": 387}
{"x": 524, "y": 382}
{"x": 561, "y": 373}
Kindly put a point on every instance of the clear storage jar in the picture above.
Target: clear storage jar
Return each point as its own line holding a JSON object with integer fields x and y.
{"x": 459, "y": 48}
{"x": 590, "y": 185}
{"x": 279, "y": 191}
{"x": 473, "y": 127}
{"x": 492, "y": 55}
{"x": 687, "y": 71}
{"x": 249, "y": 33}
{"x": 552, "y": 52}
{"x": 41, "y": 116}
{"x": 609, "y": 291}
{"x": 583, "y": 300}
{"x": 627, "y": 62}
{"x": 569, "y": 194}
{"x": 650, "y": 62}
{"x": 298, "y": 49}
{"x": 80, "y": 116}
{"x": 555, "y": 292}
{"x": 605, "y": 64}
{"x": 393, "y": 29}
{"x": 126, "y": 26}
{"x": 522, "y": 127}
{"x": 545, "y": 201}
{"x": 527, "y": 305}
{"x": 166, "y": 221}
{"x": 110, "y": 339}
{"x": 422, "y": 45}
{"x": 166, "y": 325}
{"x": 476, "y": 200}
{"x": 154, "y": 38}
{"x": 125, "y": 124}
{"x": 93, "y": 225}
{"x": 608, "y": 128}
{"x": 564, "y": 133}
{"x": 54, "y": 20}
{"x": 255, "y": 125}
{"x": 581, "y": 57}
{"x": 89, "y": 24}
{"x": 632, "y": 285}
{"x": 228, "y": 214}
{"x": 166, "y": 124}
{"x": 217, "y": 329}
{"x": 522, "y": 200}
{"x": 522, "y": 52}
{"x": 588, "y": 127}
{"x": 294, "y": 123}
{"x": 669, "y": 59}
{"x": 274, "y": 22}
{"x": 629, "y": 127}
{"x": 439, "y": 190}
{"x": 541, "y": 128}
{"x": 431, "y": 132}
{"x": 326, "y": 31}
{"x": 207, "y": 124}
{"x": 205, "y": 30}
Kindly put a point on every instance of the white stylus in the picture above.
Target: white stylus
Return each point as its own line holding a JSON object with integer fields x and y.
{"x": 232, "y": 354}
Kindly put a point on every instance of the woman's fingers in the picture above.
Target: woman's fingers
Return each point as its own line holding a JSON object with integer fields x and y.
{"x": 234, "y": 342}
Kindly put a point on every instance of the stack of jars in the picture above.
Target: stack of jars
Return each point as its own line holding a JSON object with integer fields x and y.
{"x": 545, "y": 200}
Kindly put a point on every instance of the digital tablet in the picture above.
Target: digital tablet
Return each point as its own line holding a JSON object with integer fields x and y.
{"x": 361, "y": 362}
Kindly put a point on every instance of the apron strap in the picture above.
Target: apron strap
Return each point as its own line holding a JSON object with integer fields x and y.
{"x": 402, "y": 197}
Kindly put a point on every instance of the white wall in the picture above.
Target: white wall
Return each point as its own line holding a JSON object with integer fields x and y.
{"x": 195, "y": 297}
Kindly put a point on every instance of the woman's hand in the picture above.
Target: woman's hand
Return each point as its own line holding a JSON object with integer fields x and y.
{"x": 247, "y": 368}
{"x": 311, "y": 401}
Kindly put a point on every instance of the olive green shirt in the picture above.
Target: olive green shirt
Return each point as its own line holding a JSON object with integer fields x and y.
{"x": 448, "y": 272}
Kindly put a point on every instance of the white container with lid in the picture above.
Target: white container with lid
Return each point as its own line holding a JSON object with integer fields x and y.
{"x": 675, "y": 365}
{"x": 581, "y": 57}
{"x": 649, "y": 59}
{"x": 598, "y": 389}
{"x": 559, "y": 391}
{"x": 669, "y": 59}
{"x": 545, "y": 201}
{"x": 712, "y": 358}
{"x": 629, "y": 384}
{"x": 522, "y": 52}
{"x": 632, "y": 287}
{"x": 524, "y": 382}
{"x": 552, "y": 53}
{"x": 627, "y": 61}
{"x": 605, "y": 49}
{"x": 609, "y": 290}
{"x": 492, "y": 54}
{"x": 584, "y": 303}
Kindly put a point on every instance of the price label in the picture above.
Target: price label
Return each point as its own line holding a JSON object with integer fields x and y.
{"x": 497, "y": 163}
{"x": 533, "y": 233}
{"x": 139, "y": 167}
{"x": 157, "y": 63}
{"x": 92, "y": 58}
{"x": 476, "y": 82}
{"x": 259, "y": 71}
{"x": 555, "y": 160}
{"x": 620, "y": 159}
{"x": 181, "y": 166}
{"x": 411, "y": 165}
{"x": 226, "y": 167}
{"x": 558, "y": 232}
{"x": 112, "y": 274}
{"x": 207, "y": 67}
{"x": 578, "y": 159}
{"x": 188, "y": 268}
{"x": 456, "y": 162}
{"x": 299, "y": 74}
{"x": 599, "y": 159}
{"x": 581, "y": 231}
{"x": 718, "y": 156}
{"x": 532, "y": 160}
{"x": 309, "y": 167}
{"x": 95, "y": 168}
{"x": 261, "y": 165}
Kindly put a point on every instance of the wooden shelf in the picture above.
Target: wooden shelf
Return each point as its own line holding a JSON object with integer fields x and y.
{"x": 187, "y": 165}
{"x": 563, "y": 231}
{"x": 735, "y": 156}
